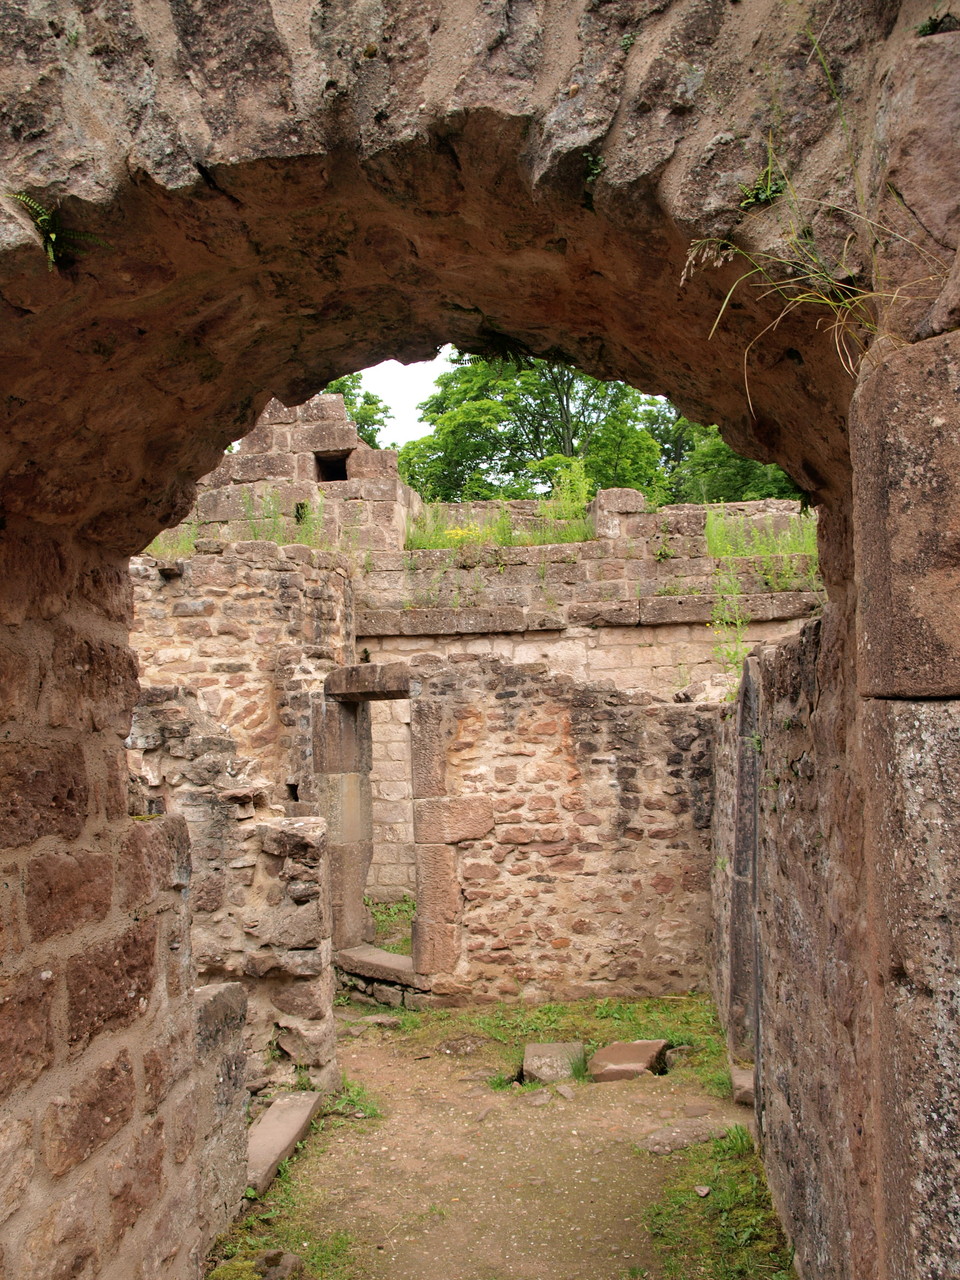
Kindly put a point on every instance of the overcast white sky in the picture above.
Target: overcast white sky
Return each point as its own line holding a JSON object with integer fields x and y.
{"x": 403, "y": 387}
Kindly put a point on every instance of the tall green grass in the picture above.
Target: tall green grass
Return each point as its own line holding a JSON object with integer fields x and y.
{"x": 438, "y": 530}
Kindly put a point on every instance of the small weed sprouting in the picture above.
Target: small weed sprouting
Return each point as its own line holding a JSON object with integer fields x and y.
{"x": 60, "y": 243}
{"x": 351, "y": 1099}
{"x": 937, "y": 24}
{"x": 628, "y": 41}
{"x": 769, "y": 184}
{"x": 301, "y": 1078}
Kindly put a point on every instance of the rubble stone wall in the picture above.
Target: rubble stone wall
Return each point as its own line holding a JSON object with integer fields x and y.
{"x": 560, "y": 834}
{"x": 122, "y": 1140}
{"x": 260, "y": 900}
{"x": 251, "y": 628}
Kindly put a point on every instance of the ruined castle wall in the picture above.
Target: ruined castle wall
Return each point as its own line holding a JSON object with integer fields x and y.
{"x": 261, "y": 912}
{"x": 561, "y": 834}
{"x": 123, "y": 1148}
{"x": 250, "y": 627}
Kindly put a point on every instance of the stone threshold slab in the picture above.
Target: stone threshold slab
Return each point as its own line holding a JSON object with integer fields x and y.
{"x": 274, "y": 1135}
{"x": 371, "y": 962}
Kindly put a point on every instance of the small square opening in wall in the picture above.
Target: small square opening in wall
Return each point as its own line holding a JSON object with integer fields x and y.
{"x": 331, "y": 466}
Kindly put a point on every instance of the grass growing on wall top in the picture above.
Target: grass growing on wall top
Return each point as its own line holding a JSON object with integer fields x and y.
{"x": 733, "y": 534}
{"x": 438, "y": 530}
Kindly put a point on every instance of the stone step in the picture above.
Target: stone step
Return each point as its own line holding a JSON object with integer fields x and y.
{"x": 274, "y": 1135}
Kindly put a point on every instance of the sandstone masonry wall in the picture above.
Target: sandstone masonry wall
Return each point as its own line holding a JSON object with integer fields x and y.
{"x": 122, "y": 1086}
{"x": 560, "y": 831}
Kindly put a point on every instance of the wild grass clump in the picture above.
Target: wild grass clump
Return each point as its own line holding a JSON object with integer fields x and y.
{"x": 688, "y": 1020}
{"x": 734, "y": 535}
{"x": 393, "y": 922}
{"x": 729, "y": 1233}
{"x": 176, "y": 543}
{"x": 438, "y": 530}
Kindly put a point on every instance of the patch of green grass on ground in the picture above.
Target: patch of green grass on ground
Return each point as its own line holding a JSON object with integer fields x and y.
{"x": 393, "y": 921}
{"x": 688, "y": 1020}
{"x": 732, "y": 1233}
{"x": 290, "y": 1215}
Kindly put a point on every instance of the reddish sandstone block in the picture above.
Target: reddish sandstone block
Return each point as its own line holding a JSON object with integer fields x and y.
{"x": 109, "y": 985}
{"x": 63, "y": 1245}
{"x": 165, "y": 1064}
{"x": 154, "y": 856}
{"x": 26, "y": 1036}
{"x": 135, "y": 1180}
{"x": 77, "y": 1125}
{"x": 43, "y": 791}
{"x": 90, "y": 682}
{"x": 450, "y": 819}
{"x": 65, "y": 890}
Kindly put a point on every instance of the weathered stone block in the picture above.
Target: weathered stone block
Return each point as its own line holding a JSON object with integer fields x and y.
{"x": 110, "y": 985}
{"x": 369, "y": 681}
{"x": 438, "y": 888}
{"x": 274, "y": 1135}
{"x": 905, "y": 435}
{"x": 548, "y": 1063}
{"x": 43, "y": 791}
{"x": 155, "y": 856}
{"x": 624, "y": 1060}
{"x": 17, "y": 1162}
{"x": 449, "y": 819}
{"x": 26, "y": 1033}
{"x": 221, "y": 1011}
{"x": 435, "y": 946}
{"x": 64, "y": 1244}
{"x": 77, "y": 1125}
{"x": 135, "y": 1179}
{"x": 65, "y": 890}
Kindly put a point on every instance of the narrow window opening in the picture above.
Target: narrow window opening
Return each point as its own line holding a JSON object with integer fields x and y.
{"x": 293, "y": 791}
{"x": 331, "y": 467}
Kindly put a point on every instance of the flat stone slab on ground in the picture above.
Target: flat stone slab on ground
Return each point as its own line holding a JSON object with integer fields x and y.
{"x": 274, "y": 1135}
{"x": 549, "y": 1063}
{"x": 625, "y": 1059}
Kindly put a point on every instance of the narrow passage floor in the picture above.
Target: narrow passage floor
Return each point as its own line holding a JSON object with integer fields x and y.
{"x": 458, "y": 1181}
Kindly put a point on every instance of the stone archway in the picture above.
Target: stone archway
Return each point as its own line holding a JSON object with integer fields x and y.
{"x": 347, "y": 182}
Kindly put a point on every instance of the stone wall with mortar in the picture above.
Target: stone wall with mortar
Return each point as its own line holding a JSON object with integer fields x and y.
{"x": 836, "y": 908}
{"x": 560, "y": 833}
{"x": 251, "y": 628}
{"x": 123, "y": 1144}
{"x": 260, "y": 908}
{"x": 306, "y": 467}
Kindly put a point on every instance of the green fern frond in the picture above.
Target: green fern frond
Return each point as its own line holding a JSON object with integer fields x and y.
{"x": 57, "y": 240}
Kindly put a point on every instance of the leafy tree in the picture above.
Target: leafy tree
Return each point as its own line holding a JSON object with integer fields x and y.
{"x": 503, "y": 430}
{"x": 712, "y": 472}
{"x": 368, "y": 411}
{"x": 491, "y": 420}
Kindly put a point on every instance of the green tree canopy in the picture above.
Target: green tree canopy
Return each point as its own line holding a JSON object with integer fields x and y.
{"x": 368, "y": 411}
{"x": 492, "y": 420}
{"x": 710, "y": 471}
{"x": 500, "y": 430}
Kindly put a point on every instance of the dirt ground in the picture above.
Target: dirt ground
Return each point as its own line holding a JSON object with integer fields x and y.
{"x": 461, "y": 1182}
